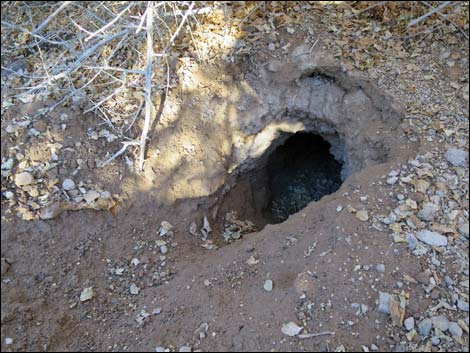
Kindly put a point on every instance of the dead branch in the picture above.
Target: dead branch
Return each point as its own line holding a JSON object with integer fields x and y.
{"x": 430, "y": 13}
{"x": 447, "y": 19}
{"x": 148, "y": 88}
{"x": 49, "y": 19}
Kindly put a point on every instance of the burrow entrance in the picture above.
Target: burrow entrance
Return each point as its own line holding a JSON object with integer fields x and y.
{"x": 287, "y": 178}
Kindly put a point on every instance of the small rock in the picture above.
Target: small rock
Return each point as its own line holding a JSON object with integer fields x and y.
{"x": 133, "y": 289}
{"x": 462, "y": 305}
{"x": 464, "y": 230}
{"x": 384, "y": 302}
{"x": 392, "y": 180}
{"x": 163, "y": 249}
{"x": 424, "y": 327}
{"x": 268, "y": 285}
{"x": 435, "y": 341}
{"x": 291, "y": 329}
{"x": 410, "y": 323}
{"x": 87, "y": 294}
{"x": 160, "y": 349}
{"x": 362, "y": 215}
{"x": 271, "y": 46}
{"x": 185, "y": 349}
{"x": 431, "y": 238}
{"x": 165, "y": 228}
{"x": 91, "y": 196}
{"x": 193, "y": 228}
{"x": 427, "y": 213}
{"x": 411, "y": 241}
{"x": 8, "y": 341}
{"x": 68, "y": 184}
{"x": 455, "y": 330}
{"x": 440, "y": 322}
{"x": 456, "y": 157}
{"x": 8, "y": 164}
{"x": 23, "y": 179}
{"x": 380, "y": 268}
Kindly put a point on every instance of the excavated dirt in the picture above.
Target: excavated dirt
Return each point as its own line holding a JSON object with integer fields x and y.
{"x": 224, "y": 145}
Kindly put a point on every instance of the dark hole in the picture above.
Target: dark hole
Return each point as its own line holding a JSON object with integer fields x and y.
{"x": 300, "y": 171}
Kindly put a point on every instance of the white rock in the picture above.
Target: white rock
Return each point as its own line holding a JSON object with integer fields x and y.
{"x": 392, "y": 180}
{"x": 68, "y": 184}
{"x": 8, "y": 341}
{"x": 23, "y": 179}
{"x": 380, "y": 268}
{"x": 91, "y": 196}
{"x": 456, "y": 157}
{"x": 409, "y": 323}
{"x": 291, "y": 329}
{"x": 268, "y": 285}
{"x": 87, "y": 294}
{"x": 165, "y": 228}
{"x": 431, "y": 238}
{"x": 133, "y": 289}
{"x": 384, "y": 302}
{"x": 163, "y": 249}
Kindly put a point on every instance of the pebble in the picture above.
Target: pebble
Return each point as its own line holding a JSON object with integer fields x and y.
{"x": 87, "y": 294}
{"x": 68, "y": 184}
{"x": 392, "y": 180}
{"x": 272, "y": 46}
{"x": 268, "y": 285}
{"x": 428, "y": 212}
{"x": 384, "y": 302}
{"x": 23, "y": 179}
{"x": 462, "y": 305}
{"x": 440, "y": 322}
{"x": 185, "y": 349}
{"x": 160, "y": 349}
{"x": 456, "y": 156}
{"x": 8, "y": 341}
{"x": 291, "y": 329}
{"x": 424, "y": 327}
{"x": 380, "y": 268}
{"x": 431, "y": 238}
{"x": 464, "y": 229}
{"x": 362, "y": 215}
{"x": 455, "y": 330}
{"x": 163, "y": 249}
{"x": 435, "y": 341}
{"x": 449, "y": 281}
{"x": 133, "y": 289}
{"x": 409, "y": 323}
{"x": 411, "y": 240}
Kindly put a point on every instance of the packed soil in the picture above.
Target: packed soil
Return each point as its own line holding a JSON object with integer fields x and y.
{"x": 299, "y": 213}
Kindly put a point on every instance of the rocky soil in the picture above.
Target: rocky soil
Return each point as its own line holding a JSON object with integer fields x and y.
{"x": 105, "y": 259}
